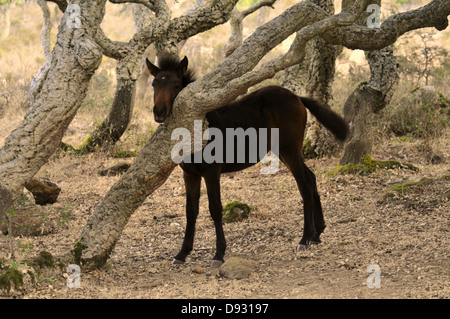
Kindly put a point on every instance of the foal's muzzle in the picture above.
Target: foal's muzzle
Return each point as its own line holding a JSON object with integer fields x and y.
{"x": 160, "y": 113}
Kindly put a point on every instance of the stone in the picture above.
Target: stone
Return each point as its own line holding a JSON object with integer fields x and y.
{"x": 237, "y": 268}
{"x": 44, "y": 191}
{"x": 114, "y": 170}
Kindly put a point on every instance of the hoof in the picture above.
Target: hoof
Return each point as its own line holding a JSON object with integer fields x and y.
{"x": 216, "y": 264}
{"x": 302, "y": 247}
{"x": 177, "y": 262}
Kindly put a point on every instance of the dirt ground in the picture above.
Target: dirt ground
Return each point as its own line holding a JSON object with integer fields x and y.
{"x": 405, "y": 234}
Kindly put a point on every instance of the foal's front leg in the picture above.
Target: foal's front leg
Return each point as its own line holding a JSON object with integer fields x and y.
{"x": 192, "y": 183}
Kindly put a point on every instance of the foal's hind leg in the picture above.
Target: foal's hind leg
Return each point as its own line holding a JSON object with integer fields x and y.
{"x": 306, "y": 185}
{"x": 319, "y": 222}
{"x": 192, "y": 183}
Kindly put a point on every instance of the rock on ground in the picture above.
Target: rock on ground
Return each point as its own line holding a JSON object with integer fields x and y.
{"x": 237, "y": 268}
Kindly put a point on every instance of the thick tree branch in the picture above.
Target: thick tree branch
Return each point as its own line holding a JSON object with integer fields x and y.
{"x": 434, "y": 14}
{"x": 258, "y": 5}
{"x": 235, "y": 74}
{"x": 113, "y": 49}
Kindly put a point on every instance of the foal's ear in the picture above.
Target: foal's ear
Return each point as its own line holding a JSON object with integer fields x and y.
{"x": 153, "y": 69}
{"x": 182, "y": 67}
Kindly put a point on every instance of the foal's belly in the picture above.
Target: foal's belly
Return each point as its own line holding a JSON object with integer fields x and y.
{"x": 202, "y": 167}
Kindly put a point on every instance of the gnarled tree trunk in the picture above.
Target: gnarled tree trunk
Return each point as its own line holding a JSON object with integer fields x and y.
{"x": 367, "y": 99}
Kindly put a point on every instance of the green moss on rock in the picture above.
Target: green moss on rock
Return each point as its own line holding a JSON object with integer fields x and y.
{"x": 406, "y": 187}
{"x": 11, "y": 277}
{"x": 77, "y": 252}
{"x": 83, "y": 147}
{"x": 45, "y": 260}
{"x": 369, "y": 166}
{"x": 126, "y": 154}
{"x": 91, "y": 263}
{"x": 235, "y": 211}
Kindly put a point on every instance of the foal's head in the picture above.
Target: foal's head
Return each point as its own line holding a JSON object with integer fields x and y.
{"x": 171, "y": 77}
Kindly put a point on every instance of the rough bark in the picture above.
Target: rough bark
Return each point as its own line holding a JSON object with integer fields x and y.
{"x": 222, "y": 85}
{"x": 432, "y": 15}
{"x": 141, "y": 15}
{"x": 75, "y": 57}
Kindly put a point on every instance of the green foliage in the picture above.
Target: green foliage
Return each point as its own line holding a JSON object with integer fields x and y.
{"x": 400, "y": 2}
{"x": 82, "y": 148}
{"x": 77, "y": 252}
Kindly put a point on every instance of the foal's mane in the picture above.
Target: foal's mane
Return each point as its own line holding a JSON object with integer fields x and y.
{"x": 170, "y": 63}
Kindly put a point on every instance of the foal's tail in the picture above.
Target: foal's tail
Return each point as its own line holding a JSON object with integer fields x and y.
{"x": 328, "y": 118}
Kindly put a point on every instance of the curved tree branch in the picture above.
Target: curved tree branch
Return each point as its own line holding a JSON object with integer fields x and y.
{"x": 236, "y": 21}
{"x": 434, "y": 14}
{"x": 113, "y": 49}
